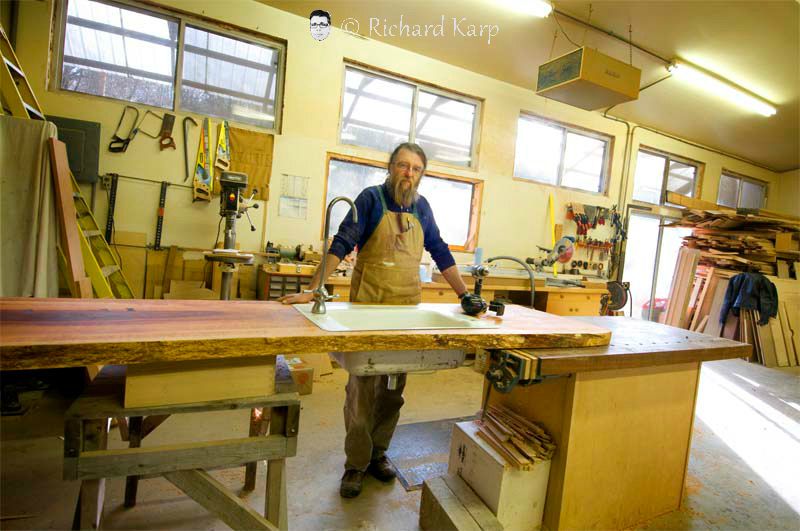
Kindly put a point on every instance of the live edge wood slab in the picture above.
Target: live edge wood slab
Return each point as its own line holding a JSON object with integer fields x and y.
{"x": 50, "y": 333}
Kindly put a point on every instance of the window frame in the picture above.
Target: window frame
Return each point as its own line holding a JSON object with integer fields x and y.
{"x": 605, "y": 177}
{"x": 662, "y": 217}
{"x": 203, "y": 23}
{"x": 696, "y": 187}
{"x": 476, "y": 202}
{"x": 417, "y": 85}
{"x": 741, "y": 178}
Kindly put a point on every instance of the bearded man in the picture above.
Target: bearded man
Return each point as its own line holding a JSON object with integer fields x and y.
{"x": 394, "y": 224}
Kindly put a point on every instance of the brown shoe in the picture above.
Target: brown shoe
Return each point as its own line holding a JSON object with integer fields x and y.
{"x": 351, "y": 483}
{"x": 381, "y": 469}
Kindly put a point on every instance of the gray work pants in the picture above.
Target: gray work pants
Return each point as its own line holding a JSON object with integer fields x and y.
{"x": 371, "y": 412}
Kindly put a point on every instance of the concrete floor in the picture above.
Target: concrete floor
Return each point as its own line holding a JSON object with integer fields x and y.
{"x": 743, "y": 472}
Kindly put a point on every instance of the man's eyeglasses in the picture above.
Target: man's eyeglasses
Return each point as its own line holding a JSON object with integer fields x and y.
{"x": 404, "y": 166}
{"x": 318, "y": 25}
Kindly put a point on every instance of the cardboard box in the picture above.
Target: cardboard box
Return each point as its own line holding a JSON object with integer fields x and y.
{"x": 516, "y": 497}
{"x": 302, "y": 375}
{"x": 320, "y": 361}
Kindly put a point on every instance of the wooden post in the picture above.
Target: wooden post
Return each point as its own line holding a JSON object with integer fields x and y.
{"x": 275, "y": 499}
{"x": 259, "y": 421}
{"x": 135, "y": 441}
{"x": 89, "y": 510}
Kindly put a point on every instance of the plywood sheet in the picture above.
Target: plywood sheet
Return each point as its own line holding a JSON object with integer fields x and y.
{"x": 160, "y": 384}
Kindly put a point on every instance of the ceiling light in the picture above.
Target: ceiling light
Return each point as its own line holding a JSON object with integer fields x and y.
{"x": 537, "y": 8}
{"x": 720, "y": 87}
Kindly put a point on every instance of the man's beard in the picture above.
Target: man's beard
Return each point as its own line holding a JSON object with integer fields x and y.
{"x": 405, "y": 197}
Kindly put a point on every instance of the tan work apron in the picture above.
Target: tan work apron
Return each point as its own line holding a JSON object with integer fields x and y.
{"x": 387, "y": 272}
{"x": 387, "y": 268}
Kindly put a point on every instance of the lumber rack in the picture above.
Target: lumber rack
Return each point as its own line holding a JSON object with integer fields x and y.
{"x": 273, "y": 431}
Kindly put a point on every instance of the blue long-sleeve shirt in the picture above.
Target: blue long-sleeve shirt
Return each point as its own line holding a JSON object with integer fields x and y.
{"x": 370, "y": 212}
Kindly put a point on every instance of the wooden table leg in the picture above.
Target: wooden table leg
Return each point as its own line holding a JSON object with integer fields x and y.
{"x": 275, "y": 500}
{"x": 89, "y": 511}
{"x": 259, "y": 421}
{"x": 135, "y": 441}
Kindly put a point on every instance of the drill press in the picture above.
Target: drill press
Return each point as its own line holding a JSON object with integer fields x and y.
{"x": 231, "y": 208}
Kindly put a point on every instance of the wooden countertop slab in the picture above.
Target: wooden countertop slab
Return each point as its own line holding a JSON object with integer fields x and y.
{"x": 637, "y": 343}
{"x": 48, "y": 333}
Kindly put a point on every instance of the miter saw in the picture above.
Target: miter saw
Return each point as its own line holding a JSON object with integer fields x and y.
{"x": 561, "y": 253}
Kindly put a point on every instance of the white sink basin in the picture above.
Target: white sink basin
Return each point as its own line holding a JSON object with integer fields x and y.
{"x": 347, "y": 317}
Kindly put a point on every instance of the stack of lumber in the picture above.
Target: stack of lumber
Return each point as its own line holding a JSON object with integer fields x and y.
{"x": 775, "y": 344}
{"x": 724, "y": 243}
{"x": 683, "y": 289}
{"x": 726, "y": 239}
{"x": 521, "y": 442}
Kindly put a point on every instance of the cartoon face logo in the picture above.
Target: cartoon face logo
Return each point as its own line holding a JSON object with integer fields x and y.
{"x": 320, "y": 22}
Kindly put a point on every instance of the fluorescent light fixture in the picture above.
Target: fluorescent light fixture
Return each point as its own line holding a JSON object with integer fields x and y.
{"x": 537, "y": 8}
{"x": 720, "y": 87}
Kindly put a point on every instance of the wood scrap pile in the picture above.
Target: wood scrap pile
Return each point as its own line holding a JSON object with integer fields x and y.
{"x": 775, "y": 344}
{"x": 521, "y": 442}
{"x": 742, "y": 242}
{"x": 724, "y": 243}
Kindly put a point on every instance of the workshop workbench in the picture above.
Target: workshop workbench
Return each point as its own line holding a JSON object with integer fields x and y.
{"x": 551, "y": 299}
{"x": 621, "y": 416}
{"x": 620, "y": 413}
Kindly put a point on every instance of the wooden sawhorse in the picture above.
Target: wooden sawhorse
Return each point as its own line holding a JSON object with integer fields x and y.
{"x": 87, "y": 458}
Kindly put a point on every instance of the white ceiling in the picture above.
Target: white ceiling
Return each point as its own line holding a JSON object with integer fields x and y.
{"x": 755, "y": 44}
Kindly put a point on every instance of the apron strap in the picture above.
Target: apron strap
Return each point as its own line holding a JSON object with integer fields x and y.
{"x": 383, "y": 199}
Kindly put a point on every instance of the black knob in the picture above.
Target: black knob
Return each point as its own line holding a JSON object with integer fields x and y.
{"x": 498, "y": 307}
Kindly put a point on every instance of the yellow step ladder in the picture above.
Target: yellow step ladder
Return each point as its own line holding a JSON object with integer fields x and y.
{"x": 17, "y": 92}
{"x": 100, "y": 263}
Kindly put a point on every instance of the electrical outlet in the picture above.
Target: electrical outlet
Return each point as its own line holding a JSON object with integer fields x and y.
{"x": 105, "y": 181}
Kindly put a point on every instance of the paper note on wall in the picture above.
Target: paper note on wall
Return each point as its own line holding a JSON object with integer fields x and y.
{"x": 293, "y": 202}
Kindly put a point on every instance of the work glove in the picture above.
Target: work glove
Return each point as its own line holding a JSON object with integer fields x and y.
{"x": 473, "y": 304}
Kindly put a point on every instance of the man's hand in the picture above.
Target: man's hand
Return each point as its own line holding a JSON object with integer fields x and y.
{"x": 473, "y": 304}
{"x": 297, "y": 298}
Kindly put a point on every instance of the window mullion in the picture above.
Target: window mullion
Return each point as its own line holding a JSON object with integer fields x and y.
{"x": 664, "y": 180}
{"x": 655, "y": 268}
{"x": 739, "y": 186}
{"x": 562, "y": 156}
{"x": 176, "y": 100}
{"x": 412, "y": 132}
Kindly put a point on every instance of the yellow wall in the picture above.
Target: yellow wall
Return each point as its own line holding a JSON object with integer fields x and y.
{"x": 786, "y": 196}
{"x": 514, "y": 214}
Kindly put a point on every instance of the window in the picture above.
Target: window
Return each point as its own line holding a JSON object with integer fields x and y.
{"x": 741, "y": 192}
{"x": 656, "y": 172}
{"x": 119, "y": 53}
{"x": 125, "y": 53}
{"x": 556, "y": 154}
{"x": 650, "y": 264}
{"x": 380, "y": 111}
{"x": 455, "y": 200}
